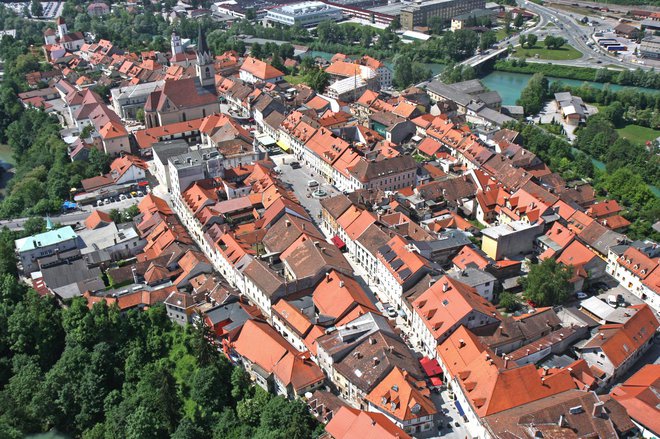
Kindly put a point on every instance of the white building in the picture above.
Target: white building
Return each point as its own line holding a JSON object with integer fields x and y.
{"x": 303, "y": 14}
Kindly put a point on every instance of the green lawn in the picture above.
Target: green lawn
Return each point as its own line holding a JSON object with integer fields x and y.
{"x": 564, "y": 53}
{"x": 549, "y": 25}
{"x": 638, "y": 134}
{"x": 500, "y": 34}
{"x": 293, "y": 80}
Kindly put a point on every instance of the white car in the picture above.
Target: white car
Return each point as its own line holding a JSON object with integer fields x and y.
{"x": 106, "y": 201}
{"x": 581, "y": 295}
{"x": 122, "y": 197}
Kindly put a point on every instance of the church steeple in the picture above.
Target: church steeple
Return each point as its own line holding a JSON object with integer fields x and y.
{"x": 202, "y": 47}
{"x": 205, "y": 68}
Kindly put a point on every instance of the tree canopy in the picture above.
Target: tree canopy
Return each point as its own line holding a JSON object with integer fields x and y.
{"x": 548, "y": 283}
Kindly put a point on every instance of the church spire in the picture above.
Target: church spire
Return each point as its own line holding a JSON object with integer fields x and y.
{"x": 202, "y": 47}
{"x": 205, "y": 68}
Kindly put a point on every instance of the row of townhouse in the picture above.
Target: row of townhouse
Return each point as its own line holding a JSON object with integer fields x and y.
{"x": 303, "y": 287}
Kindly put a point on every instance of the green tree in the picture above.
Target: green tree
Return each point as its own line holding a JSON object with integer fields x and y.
{"x": 548, "y": 283}
{"x": 36, "y": 10}
{"x": 518, "y": 21}
{"x": 403, "y": 74}
{"x": 534, "y": 94}
{"x": 509, "y": 301}
{"x": 532, "y": 40}
{"x": 34, "y": 225}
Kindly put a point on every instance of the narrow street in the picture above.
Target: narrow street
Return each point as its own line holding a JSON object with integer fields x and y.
{"x": 449, "y": 423}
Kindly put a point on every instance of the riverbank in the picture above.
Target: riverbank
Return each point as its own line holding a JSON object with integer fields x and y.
{"x": 632, "y": 79}
{"x": 510, "y": 84}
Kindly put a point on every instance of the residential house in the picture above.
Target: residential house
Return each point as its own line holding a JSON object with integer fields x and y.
{"x": 639, "y": 396}
{"x": 404, "y": 400}
{"x": 443, "y": 307}
{"x": 272, "y": 362}
{"x": 617, "y": 346}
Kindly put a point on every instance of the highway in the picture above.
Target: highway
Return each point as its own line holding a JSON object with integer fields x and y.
{"x": 578, "y": 36}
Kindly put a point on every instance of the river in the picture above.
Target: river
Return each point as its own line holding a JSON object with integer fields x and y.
{"x": 509, "y": 85}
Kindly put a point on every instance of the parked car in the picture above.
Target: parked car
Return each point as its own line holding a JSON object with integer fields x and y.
{"x": 99, "y": 203}
{"x": 391, "y": 312}
{"x": 140, "y": 194}
{"x": 581, "y": 295}
{"x": 122, "y": 197}
{"x": 295, "y": 165}
{"x": 312, "y": 183}
{"x": 106, "y": 201}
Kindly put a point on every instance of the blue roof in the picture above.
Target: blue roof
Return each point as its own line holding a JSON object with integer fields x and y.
{"x": 45, "y": 239}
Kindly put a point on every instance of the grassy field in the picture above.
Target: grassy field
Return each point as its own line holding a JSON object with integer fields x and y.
{"x": 638, "y": 134}
{"x": 500, "y": 34}
{"x": 564, "y": 53}
{"x": 293, "y": 80}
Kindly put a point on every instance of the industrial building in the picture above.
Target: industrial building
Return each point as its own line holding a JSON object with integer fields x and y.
{"x": 650, "y": 48}
{"x": 418, "y": 13}
{"x": 303, "y": 14}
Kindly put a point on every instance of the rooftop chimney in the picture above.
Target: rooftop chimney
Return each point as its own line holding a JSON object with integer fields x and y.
{"x": 599, "y": 410}
{"x": 445, "y": 287}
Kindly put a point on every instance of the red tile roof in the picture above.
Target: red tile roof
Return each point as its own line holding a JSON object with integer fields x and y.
{"x": 350, "y": 423}
{"x": 402, "y": 397}
{"x": 260, "y": 69}
{"x": 97, "y": 219}
{"x": 640, "y": 396}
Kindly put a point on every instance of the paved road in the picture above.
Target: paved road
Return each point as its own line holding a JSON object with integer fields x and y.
{"x": 73, "y": 217}
{"x": 578, "y": 36}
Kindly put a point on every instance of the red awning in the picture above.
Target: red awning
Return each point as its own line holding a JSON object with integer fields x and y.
{"x": 336, "y": 240}
{"x": 143, "y": 183}
{"x": 430, "y": 366}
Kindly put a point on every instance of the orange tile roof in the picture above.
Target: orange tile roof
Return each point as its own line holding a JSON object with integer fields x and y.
{"x": 361, "y": 223}
{"x": 293, "y": 317}
{"x": 350, "y": 423}
{"x": 560, "y": 234}
{"x": 620, "y": 341}
{"x": 343, "y": 68}
{"x": 151, "y": 204}
{"x": 637, "y": 262}
{"x": 147, "y": 137}
{"x": 120, "y": 165}
{"x": 260, "y": 69}
{"x": 402, "y": 397}
{"x": 447, "y": 302}
{"x": 461, "y": 348}
{"x": 411, "y": 260}
{"x": 640, "y": 396}
{"x": 604, "y": 208}
{"x": 490, "y": 389}
{"x": 262, "y": 345}
{"x": 653, "y": 281}
{"x": 112, "y": 130}
{"x": 429, "y": 146}
{"x": 337, "y": 294}
{"x": 576, "y": 254}
{"x": 97, "y": 218}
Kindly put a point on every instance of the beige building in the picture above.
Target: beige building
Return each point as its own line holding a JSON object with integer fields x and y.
{"x": 420, "y": 12}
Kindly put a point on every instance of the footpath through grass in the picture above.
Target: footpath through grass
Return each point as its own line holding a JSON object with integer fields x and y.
{"x": 564, "y": 53}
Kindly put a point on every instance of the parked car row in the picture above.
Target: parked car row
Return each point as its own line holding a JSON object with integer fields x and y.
{"x": 122, "y": 197}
